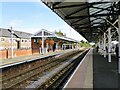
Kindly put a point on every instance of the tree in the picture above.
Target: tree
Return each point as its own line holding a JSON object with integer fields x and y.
{"x": 59, "y": 33}
{"x": 84, "y": 44}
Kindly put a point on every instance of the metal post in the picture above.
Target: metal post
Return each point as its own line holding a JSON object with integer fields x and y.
{"x": 62, "y": 46}
{"x": 77, "y": 46}
{"x": 119, "y": 44}
{"x": 42, "y": 42}
{"x": 72, "y": 46}
{"x": 100, "y": 48}
{"x": 104, "y": 44}
{"x": 47, "y": 48}
{"x": 11, "y": 42}
{"x": 57, "y": 46}
{"x": 109, "y": 45}
{"x": 69, "y": 46}
{"x": 99, "y": 45}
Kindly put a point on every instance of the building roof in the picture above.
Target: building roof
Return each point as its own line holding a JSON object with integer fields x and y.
{"x": 17, "y": 34}
{"x": 52, "y": 34}
{"x": 46, "y": 33}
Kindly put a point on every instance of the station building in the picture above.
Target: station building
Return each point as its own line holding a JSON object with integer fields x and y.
{"x": 21, "y": 43}
{"x": 24, "y": 43}
{"x": 45, "y": 41}
{"x": 20, "y": 39}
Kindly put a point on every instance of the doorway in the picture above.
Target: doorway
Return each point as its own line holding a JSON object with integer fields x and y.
{"x": 18, "y": 44}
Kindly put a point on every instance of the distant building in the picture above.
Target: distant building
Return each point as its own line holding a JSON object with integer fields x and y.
{"x": 20, "y": 39}
{"x": 50, "y": 41}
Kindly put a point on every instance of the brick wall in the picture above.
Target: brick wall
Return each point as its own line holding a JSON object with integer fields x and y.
{"x": 18, "y": 52}
{"x": 5, "y": 43}
{"x": 35, "y": 51}
{"x": 3, "y": 54}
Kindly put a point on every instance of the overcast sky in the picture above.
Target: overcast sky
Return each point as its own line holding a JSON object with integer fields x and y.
{"x": 33, "y": 16}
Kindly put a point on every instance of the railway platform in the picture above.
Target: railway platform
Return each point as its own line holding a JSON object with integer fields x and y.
{"x": 94, "y": 71}
{"x": 22, "y": 59}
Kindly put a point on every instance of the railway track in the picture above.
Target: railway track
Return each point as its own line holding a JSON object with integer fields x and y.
{"x": 58, "y": 81}
{"x": 27, "y": 77}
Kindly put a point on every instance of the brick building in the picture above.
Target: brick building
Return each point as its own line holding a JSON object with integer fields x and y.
{"x": 44, "y": 41}
{"x": 20, "y": 39}
{"x": 28, "y": 44}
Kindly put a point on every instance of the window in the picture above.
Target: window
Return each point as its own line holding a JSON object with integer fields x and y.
{"x": 14, "y": 40}
{"x": 38, "y": 40}
{"x": 34, "y": 40}
{"x": 25, "y": 40}
{"x": 9, "y": 40}
{"x": 2, "y": 39}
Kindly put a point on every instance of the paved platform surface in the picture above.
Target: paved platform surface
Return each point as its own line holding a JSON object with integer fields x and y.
{"x": 96, "y": 72}
{"x": 105, "y": 74}
{"x": 83, "y": 75}
{"x": 5, "y": 62}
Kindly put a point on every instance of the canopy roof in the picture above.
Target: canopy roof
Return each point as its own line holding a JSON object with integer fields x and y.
{"x": 52, "y": 34}
{"x": 86, "y": 17}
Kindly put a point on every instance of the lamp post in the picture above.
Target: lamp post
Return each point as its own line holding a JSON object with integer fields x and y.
{"x": 11, "y": 42}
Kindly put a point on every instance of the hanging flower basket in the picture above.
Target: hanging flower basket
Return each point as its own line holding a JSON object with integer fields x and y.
{"x": 51, "y": 42}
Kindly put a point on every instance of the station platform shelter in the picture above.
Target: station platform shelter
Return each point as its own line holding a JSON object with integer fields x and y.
{"x": 98, "y": 22}
{"x": 45, "y": 41}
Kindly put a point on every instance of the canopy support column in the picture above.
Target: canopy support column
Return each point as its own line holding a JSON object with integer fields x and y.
{"x": 100, "y": 50}
{"x": 47, "y": 46}
{"x": 99, "y": 45}
{"x": 43, "y": 42}
{"x": 119, "y": 44}
{"x": 57, "y": 46}
{"x": 104, "y": 44}
{"x": 109, "y": 44}
{"x": 72, "y": 46}
{"x": 77, "y": 45}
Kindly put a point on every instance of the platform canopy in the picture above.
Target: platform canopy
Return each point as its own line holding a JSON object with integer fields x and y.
{"x": 48, "y": 34}
{"x": 87, "y": 18}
